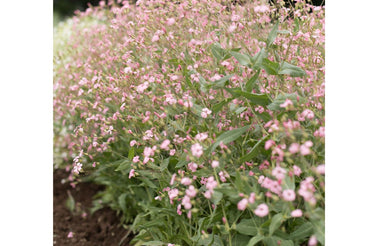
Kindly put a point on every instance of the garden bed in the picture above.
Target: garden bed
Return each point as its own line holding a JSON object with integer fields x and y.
{"x": 101, "y": 228}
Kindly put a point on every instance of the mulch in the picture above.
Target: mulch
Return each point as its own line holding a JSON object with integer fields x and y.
{"x": 102, "y": 228}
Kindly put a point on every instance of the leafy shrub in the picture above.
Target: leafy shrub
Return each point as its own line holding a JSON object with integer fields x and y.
{"x": 205, "y": 122}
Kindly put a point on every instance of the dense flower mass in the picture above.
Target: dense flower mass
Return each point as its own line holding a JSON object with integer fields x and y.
{"x": 203, "y": 119}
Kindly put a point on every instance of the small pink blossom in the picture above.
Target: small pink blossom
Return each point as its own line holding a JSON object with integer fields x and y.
{"x": 304, "y": 150}
{"x": 186, "y": 181}
{"x": 215, "y": 163}
{"x": 242, "y": 204}
{"x": 197, "y": 150}
{"x": 288, "y": 195}
{"x": 133, "y": 142}
{"x": 297, "y": 170}
{"x": 269, "y": 143}
{"x": 171, "y": 21}
{"x": 312, "y": 241}
{"x": 192, "y": 166}
{"x": 172, "y": 152}
{"x": 132, "y": 173}
{"x": 252, "y": 198}
{"x": 186, "y": 202}
{"x": 70, "y": 234}
{"x": 179, "y": 212}
{"x": 173, "y": 179}
{"x": 296, "y": 213}
{"x": 320, "y": 169}
{"x": 205, "y": 112}
{"x": 201, "y": 136}
{"x": 191, "y": 191}
{"x": 136, "y": 159}
{"x": 294, "y": 148}
{"x": 279, "y": 173}
{"x": 262, "y": 210}
{"x": 286, "y": 103}
{"x": 155, "y": 38}
{"x": 165, "y": 144}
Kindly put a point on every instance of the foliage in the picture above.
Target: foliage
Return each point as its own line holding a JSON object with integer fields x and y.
{"x": 205, "y": 122}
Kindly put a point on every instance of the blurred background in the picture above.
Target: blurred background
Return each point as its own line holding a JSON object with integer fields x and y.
{"x": 65, "y": 8}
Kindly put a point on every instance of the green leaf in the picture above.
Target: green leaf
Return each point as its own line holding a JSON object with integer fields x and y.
{"x": 154, "y": 243}
{"x": 276, "y": 221}
{"x": 218, "y": 51}
{"x": 272, "y": 35}
{"x": 277, "y": 241}
{"x": 259, "y": 99}
{"x": 239, "y": 240}
{"x": 288, "y": 183}
{"x": 270, "y": 67}
{"x": 291, "y": 70}
{"x": 131, "y": 153}
{"x": 164, "y": 164}
{"x": 221, "y": 82}
{"x": 124, "y": 165}
{"x": 250, "y": 83}
{"x": 302, "y": 232}
{"x": 243, "y": 59}
{"x": 247, "y": 227}
{"x": 147, "y": 182}
{"x": 255, "y": 240}
{"x": 227, "y": 137}
{"x": 258, "y": 58}
{"x": 218, "y": 106}
{"x": 253, "y": 152}
{"x": 280, "y": 99}
{"x": 216, "y": 197}
{"x": 70, "y": 203}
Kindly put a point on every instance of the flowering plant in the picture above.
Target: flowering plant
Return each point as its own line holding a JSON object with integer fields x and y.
{"x": 204, "y": 121}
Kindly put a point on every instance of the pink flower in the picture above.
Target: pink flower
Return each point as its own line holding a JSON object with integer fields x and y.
{"x": 135, "y": 159}
{"x": 269, "y": 143}
{"x": 304, "y": 150}
{"x": 171, "y": 21}
{"x": 173, "y": 179}
{"x": 242, "y": 204}
{"x": 186, "y": 181}
{"x": 211, "y": 183}
{"x": 155, "y": 38}
{"x": 132, "y": 143}
{"x": 197, "y": 150}
{"x": 223, "y": 176}
{"x": 252, "y": 198}
{"x": 262, "y": 210}
{"x": 179, "y": 212}
{"x": 191, "y": 191}
{"x": 70, "y": 234}
{"x": 286, "y": 103}
{"x": 165, "y": 144}
{"x": 132, "y": 173}
{"x": 192, "y": 166}
{"x": 288, "y": 195}
{"x": 320, "y": 169}
{"x": 201, "y": 136}
{"x": 296, "y": 213}
{"x": 297, "y": 170}
{"x": 172, "y": 194}
{"x": 294, "y": 148}
{"x": 279, "y": 173}
{"x": 172, "y": 152}
{"x": 312, "y": 241}
{"x": 215, "y": 164}
{"x": 205, "y": 112}
{"x": 186, "y": 202}
{"x": 261, "y": 9}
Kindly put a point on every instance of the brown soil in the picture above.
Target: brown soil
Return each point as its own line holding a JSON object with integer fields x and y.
{"x": 102, "y": 228}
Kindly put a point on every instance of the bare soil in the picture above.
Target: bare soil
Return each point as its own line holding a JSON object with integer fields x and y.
{"x": 102, "y": 228}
